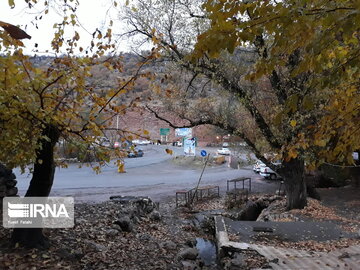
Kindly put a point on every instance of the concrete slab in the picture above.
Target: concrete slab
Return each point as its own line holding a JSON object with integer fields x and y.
{"x": 287, "y": 258}
{"x": 286, "y": 231}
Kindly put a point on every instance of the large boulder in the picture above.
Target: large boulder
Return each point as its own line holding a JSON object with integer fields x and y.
{"x": 188, "y": 254}
{"x": 168, "y": 245}
{"x": 125, "y": 224}
{"x": 143, "y": 205}
{"x": 155, "y": 216}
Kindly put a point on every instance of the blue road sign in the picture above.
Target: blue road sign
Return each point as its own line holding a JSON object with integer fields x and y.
{"x": 203, "y": 153}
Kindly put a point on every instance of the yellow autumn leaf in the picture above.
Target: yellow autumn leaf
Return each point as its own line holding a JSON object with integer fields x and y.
{"x": 292, "y": 153}
{"x": 12, "y": 3}
{"x": 320, "y": 143}
{"x": 121, "y": 168}
{"x": 293, "y": 123}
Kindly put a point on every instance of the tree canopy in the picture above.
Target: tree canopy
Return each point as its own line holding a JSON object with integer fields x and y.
{"x": 61, "y": 95}
{"x": 323, "y": 38}
{"x": 40, "y": 104}
{"x": 305, "y": 75}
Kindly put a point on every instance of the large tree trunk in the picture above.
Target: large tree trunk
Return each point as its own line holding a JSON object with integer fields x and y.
{"x": 293, "y": 173}
{"x": 40, "y": 186}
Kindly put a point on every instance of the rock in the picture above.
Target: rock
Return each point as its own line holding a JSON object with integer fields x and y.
{"x": 191, "y": 243}
{"x": 154, "y": 227}
{"x": 143, "y": 205}
{"x": 116, "y": 227}
{"x": 188, "y": 254}
{"x": 143, "y": 237}
{"x": 135, "y": 219}
{"x": 169, "y": 245}
{"x": 125, "y": 224}
{"x": 111, "y": 232}
{"x": 95, "y": 247}
{"x": 155, "y": 215}
{"x": 238, "y": 261}
{"x": 208, "y": 225}
{"x": 189, "y": 265}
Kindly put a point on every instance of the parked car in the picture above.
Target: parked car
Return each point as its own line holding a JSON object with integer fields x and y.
{"x": 100, "y": 142}
{"x": 141, "y": 142}
{"x": 224, "y": 151}
{"x": 257, "y": 166}
{"x": 177, "y": 143}
{"x": 137, "y": 152}
{"x": 268, "y": 173}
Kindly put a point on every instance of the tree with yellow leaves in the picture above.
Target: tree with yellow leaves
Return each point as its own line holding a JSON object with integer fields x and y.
{"x": 40, "y": 104}
{"x": 300, "y": 99}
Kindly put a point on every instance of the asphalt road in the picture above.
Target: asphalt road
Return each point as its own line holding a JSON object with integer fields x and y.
{"x": 152, "y": 175}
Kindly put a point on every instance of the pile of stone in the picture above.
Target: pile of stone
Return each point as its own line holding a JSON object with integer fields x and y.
{"x": 7, "y": 183}
{"x": 133, "y": 210}
{"x": 251, "y": 210}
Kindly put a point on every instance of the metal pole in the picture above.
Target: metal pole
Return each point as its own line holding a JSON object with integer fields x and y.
{"x": 198, "y": 184}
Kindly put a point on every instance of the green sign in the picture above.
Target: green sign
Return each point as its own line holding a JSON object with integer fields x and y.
{"x": 164, "y": 131}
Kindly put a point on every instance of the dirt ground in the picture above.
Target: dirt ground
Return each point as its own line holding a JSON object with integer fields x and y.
{"x": 345, "y": 201}
{"x": 95, "y": 242}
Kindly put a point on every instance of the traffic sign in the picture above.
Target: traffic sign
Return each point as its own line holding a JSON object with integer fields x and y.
{"x": 203, "y": 153}
{"x": 164, "y": 131}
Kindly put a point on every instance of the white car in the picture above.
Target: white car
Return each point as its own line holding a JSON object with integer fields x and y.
{"x": 257, "y": 166}
{"x": 224, "y": 151}
{"x": 268, "y": 173}
{"x": 141, "y": 142}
